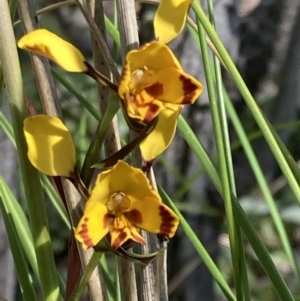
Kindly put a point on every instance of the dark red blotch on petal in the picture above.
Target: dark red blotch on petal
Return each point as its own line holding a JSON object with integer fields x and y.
{"x": 84, "y": 233}
{"x": 134, "y": 216}
{"x": 151, "y": 113}
{"x": 108, "y": 218}
{"x": 189, "y": 89}
{"x": 167, "y": 221}
{"x": 119, "y": 240}
{"x": 155, "y": 90}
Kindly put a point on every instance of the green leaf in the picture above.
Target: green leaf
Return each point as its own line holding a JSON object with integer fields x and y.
{"x": 98, "y": 139}
{"x": 24, "y": 277}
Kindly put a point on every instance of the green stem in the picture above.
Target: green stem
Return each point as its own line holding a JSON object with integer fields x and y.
{"x": 213, "y": 78}
{"x": 30, "y": 176}
{"x": 199, "y": 247}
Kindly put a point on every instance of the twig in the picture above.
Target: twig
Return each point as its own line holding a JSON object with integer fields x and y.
{"x": 153, "y": 276}
{"x": 112, "y": 142}
{"x": 51, "y": 106}
{"x": 40, "y": 65}
{"x": 99, "y": 40}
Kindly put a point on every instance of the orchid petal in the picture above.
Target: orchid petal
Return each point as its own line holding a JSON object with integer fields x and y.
{"x": 144, "y": 113}
{"x": 94, "y": 224}
{"x": 46, "y": 43}
{"x": 151, "y": 78}
{"x": 121, "y": 231}
{"x": 170, "y": 19}
{"x": 153, "y": 216}
{"x": 50, "y": 146}
{"x": 154, "y": 55}
{"x": 162, "y": 135}
{"x": 124, "y": 178}
{"x": 173, "y": 86}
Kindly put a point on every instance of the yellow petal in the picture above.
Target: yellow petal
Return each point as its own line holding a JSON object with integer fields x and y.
{"x": 122, "y": 178}
{"x": 170, "y": 19}
{"x": 162, "y": 135}
{"x": 46, "y": 43}
{"x": 153, "y": 216}
{"x": 154, "y": 56}
{"x": 174, "y": 86}
{"x": 151, "y": 76}
{"x": 144, "y": 113}
{"x": 94, "y": 224}
{"x": 102, "y": 191}
{"x": 121, "y": 231}
{"x": 50, "y": 146}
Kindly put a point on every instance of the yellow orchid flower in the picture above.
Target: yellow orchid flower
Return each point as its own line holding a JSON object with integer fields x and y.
{"x": 121, "y": 200}
{"x": 170, "y": 19}
{"x": 50, "y": 146}
{"x": 153, "y": 78}
{"x": 160, "y": 138}
{"x": 48, "y": 44}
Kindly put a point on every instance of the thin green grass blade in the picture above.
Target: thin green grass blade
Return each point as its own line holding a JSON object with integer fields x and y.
{"x": 252, "y": 105}
{"x": 95, "y": 146}
{"x": 20, "y": 223}
{"x": 55, "y": 200}
{"x": 262, "y": 253}
{"x": 29, "y": 175}
{"x": 213, "y": 79}
{"x": 70, "y": 87}
{"x": 24, "y": 277}
{"x": 198, "y": 149}
{"x": 118, "y": 288}
{"x": 261, "y": 181}
{"x": 252, "y": 136}
{"x": 82, "y": 133}
{"x": 239, "y": 214}
{"x": 22, "y": 228}
{"x": 107, "y": 276}
{"x": 94, "y": 261}
{"x": 199, "y": 247}
{"x": 112, "y": 31}
{"x": 289, "y": 158}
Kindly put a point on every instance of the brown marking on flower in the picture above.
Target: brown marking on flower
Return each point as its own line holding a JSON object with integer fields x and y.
{"x": 151, "y": 113}
{"x": 108, "y": 218}
{"x": 189, "y": 89}
{"x": 155, "y": 90}
{"x": 167, "y": 221}
{"x": 146, "y": 165}
{"x": 84, "y": 233}
{"x": 119, "y": 240}
{"x": 124, "y": 73}
{"x": 134, "y": 216}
